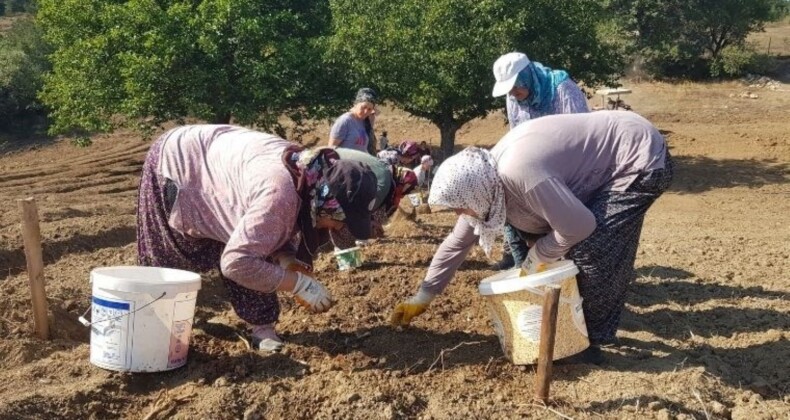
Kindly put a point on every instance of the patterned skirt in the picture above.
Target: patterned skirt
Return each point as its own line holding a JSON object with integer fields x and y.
{"x": 159, "y": 245}
{"x": 606, "y": 258}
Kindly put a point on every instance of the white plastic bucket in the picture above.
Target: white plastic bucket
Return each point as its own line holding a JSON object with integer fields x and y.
{"x": 141, "y": 317}
{"x": 349, "y": 258}
{"x": 516, "y": 308}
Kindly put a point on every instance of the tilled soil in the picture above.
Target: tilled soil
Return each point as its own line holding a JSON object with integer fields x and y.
{"x": 704, "y": 335}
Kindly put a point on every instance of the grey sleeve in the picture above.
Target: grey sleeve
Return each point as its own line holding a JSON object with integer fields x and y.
{"x": 451, "y": 253}
{"x": 339, "y": 130}
{"x": 570, "y": 220}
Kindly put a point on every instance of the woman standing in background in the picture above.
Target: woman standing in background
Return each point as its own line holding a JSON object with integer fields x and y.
{"x": 354, "y": 129}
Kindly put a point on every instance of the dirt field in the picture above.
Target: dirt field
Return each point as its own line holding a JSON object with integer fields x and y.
{"x": 705, "y": 334}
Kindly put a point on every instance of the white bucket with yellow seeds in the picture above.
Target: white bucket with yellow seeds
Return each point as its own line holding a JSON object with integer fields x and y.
{"x": 516, "y": 306}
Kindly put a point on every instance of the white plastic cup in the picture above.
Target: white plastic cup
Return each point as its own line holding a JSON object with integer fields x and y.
{"x": 348, "y": 259}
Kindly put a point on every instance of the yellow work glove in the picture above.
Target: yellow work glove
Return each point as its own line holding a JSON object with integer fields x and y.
{"x": 405, "y": 311}
{"x": 533, "y": 264}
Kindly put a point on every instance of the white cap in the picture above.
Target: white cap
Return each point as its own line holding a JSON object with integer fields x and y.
{"x": 506, "y": 70}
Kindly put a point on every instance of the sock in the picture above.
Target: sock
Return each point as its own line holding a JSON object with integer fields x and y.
{"x": 266, "y": 337}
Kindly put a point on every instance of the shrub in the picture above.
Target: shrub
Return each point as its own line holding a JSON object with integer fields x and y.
{"x": 674, "y": 62}
{"x": 737, "y": 60}
{"x": 82, "y": 141}
{"x": 19, "y": 6}
{"x": 119, "y": 62}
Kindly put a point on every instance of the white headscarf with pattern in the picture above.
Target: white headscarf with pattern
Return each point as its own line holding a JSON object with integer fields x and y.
{"x": 469, "y": 180}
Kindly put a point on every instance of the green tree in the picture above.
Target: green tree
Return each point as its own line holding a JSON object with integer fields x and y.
{"x": 684, "y": 37}
{"x": 434, "y": 58}
{"x": 23, "y": 63}
{"x": 157, "y": 60}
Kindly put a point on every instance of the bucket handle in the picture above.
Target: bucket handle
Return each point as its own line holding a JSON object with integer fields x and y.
{"x": 84, "y": 321}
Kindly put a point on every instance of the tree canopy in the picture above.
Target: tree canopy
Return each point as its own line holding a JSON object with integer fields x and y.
{"x": 434, "y": 58}
{"x": 158, "y": 60}
{"x": 23, "y": 63}
{"x": 687, "y": 37}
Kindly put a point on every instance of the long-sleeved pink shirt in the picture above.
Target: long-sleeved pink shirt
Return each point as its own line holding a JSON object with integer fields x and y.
{"x": 234, "y": 188}
{"x": 550, "y": 167}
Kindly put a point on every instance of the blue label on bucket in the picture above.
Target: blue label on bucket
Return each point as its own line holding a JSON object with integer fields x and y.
{"x": 110, "y": 304}
{"x": 111, "y": 333}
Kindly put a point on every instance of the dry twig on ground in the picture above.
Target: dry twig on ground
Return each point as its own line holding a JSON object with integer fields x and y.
{"x": 245, "y": 341}
{"x": 546, "y": 407}
{"x": 441, "y": 353}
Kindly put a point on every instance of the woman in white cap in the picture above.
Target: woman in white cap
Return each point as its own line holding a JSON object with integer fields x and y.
{"x": 533, "y": 91}
{"x": 423, "y": 171}
{"x": 582, "y": 182}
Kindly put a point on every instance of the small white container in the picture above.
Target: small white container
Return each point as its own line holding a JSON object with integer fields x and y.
{"x": 141, "y": 317}
{"x": 348, "y": 259}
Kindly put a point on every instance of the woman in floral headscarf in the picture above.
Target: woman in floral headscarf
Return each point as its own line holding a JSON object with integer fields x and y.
{"x": 253, "y": 204}
{"x": 406, "y": 154}
{"x": 581, "y": 182}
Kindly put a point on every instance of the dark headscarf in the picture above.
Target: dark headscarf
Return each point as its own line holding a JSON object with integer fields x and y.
{"x": 404, "y": 181}
{"x": 366, "y": 95}
{"x": 308, "y": 169}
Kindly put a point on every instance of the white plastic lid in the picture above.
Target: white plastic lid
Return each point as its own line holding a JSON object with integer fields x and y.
{"x": 509, "y": 281}
{"x": 347, "y": 250}
{"x": 151, "y": 280}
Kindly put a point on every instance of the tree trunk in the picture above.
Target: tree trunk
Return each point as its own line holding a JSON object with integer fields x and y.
{"x": 221, "y": 118}
{"x": 448, "y": 130}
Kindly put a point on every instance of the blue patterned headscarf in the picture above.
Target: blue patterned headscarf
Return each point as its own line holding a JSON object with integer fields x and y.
{"x": 542, "y": 84}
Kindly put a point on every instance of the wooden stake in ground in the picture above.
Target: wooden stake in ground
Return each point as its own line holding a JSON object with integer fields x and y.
{"x": 548, "y": 331}
{"x": 31, "y": 234}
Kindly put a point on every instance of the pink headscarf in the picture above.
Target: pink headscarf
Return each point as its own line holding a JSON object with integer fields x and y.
{"x": 409, "y": 148}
